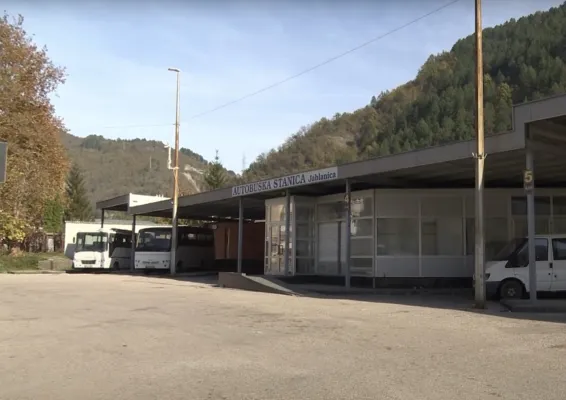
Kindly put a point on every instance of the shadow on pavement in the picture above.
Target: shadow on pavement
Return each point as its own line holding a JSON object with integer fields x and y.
{"x": 463, "y": 301}
{"x": 448, "y": 299}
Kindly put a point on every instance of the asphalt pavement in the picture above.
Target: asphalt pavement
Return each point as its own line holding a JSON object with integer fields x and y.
{"x": 118, "y": 337}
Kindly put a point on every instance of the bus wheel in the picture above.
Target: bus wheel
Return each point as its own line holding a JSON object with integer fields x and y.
{"x": 511, "y": 289}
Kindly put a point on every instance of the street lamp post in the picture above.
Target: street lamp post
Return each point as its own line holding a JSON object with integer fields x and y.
{"x": 479, "y": 253}
{"x": 173, "y": 260}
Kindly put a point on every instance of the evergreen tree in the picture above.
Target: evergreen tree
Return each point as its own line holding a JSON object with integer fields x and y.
{"x": 524, "y": 60}
{"x": 53, "y": 215}
{"x": 79, "y": 207}
{"x": 215, "y": 176}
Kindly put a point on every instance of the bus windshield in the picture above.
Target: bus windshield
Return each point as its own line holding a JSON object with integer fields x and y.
{"x": 95, "y": 241}
{"x": 154, "y": 240}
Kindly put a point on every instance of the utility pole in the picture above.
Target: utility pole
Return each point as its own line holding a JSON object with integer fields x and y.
{"x": 173, "y": 260}
{"x": 479, "y": 262}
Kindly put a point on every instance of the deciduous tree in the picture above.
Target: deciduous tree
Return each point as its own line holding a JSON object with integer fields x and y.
{"x": 37, "y": 162}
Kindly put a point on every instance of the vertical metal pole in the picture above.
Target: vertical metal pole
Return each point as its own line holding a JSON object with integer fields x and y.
{"x": 133, "y": 255}
{"x": 287, "y": 231}
{"x": 348, "y": 233}
{"x": 531, "y": 213}
{"x": 102, "y": 219}
{"x": 240, "y": 234}
{"x": 339, "y": 246}
{"x": 480, "y": 159}
{"x": 175, "y": 222}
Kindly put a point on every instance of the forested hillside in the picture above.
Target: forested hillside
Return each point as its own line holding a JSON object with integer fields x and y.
{"x": 115, "y": 167}
{"x": 523, "y": 60}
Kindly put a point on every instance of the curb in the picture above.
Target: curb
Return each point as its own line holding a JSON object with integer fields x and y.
{"x": 34, "y": 271}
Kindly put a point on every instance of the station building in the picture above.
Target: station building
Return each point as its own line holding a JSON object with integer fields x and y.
{"x": 406, "y": 217}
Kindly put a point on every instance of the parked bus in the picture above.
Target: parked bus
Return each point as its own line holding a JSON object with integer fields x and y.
{"x": 195, "y": 248}
{"x": 103, "y": 249}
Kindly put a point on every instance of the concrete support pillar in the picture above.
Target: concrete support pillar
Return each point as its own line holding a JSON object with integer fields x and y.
{"x": 348, "y": 232}
{"x": 531, "y": 224}
{"x": 133, "y": 256}
{"x": 287, "y": 254}
{"x": 240, "y": 234}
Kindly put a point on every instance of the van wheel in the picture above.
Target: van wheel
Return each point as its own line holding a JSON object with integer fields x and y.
{"x": 511, "y": 289}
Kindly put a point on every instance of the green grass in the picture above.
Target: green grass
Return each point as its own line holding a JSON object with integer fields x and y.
{"x": 29, "y": 261}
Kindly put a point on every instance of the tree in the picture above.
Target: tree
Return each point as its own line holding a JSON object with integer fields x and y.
{"x": 53, "y": 215}
{"x": 215, "y": 175}
{"x": 524, "y": 59}
{"x": 79, "y": 207}
{"x": 503, "y": 108}
{"x": 37, "y": 162}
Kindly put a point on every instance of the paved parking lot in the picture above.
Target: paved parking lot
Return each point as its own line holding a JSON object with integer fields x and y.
{"x": 123, "y": 337}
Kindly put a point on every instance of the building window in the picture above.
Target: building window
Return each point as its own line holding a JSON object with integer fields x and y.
{"x": 519, "y": 205}
{"x": 397, "y": 237}
{"x": 496, "y": 236}
{"x": 361, "y": 266}
{"x": 559, "y": 214}
{"x": 361, "y": 247}
{"x": 305, "y": 212}
{"x": 277, "y": 213}
{"x": 442, "y": 236}
{"x": 405, "y": 206}
{"x": 519, "y": 216}
{"x": 361, "y": 227}
{"x": 441, "y": 206}
{"x": 361, "y": 206}
{"x": 442, "y": 226}
{"x": 331, "y": 211}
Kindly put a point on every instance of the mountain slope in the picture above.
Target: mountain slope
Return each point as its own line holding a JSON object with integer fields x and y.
{"x": 115, "y": 167}
{"x": 523, "y": 60}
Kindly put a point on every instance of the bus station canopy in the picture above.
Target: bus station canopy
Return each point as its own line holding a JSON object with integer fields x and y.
{"x": 127, "y": 201}
{"x": 448, "y": 166}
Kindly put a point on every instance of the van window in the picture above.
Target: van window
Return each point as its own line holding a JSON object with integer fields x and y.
{"x": 541, "y": 251}
{"x": 559, "y": 249}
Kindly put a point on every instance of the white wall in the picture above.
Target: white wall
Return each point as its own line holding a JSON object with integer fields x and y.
{"x": 141, "y": 199}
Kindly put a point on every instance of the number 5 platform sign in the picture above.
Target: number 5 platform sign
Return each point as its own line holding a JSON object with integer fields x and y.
{"x": 3, "y": 158}
{"x": 528, "y": 180}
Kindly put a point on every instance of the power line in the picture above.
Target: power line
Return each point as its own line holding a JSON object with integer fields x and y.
{"x": 306, "y": 71}
{"x": 136, "y": 126}
{"x": 328, "y": 61}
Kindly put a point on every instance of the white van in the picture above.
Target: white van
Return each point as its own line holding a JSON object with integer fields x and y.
{"x": 507, "y": 276}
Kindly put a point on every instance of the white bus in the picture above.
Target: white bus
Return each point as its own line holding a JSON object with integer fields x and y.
{"x": 103, "y": 249}
{"x": 195, "y": 248}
